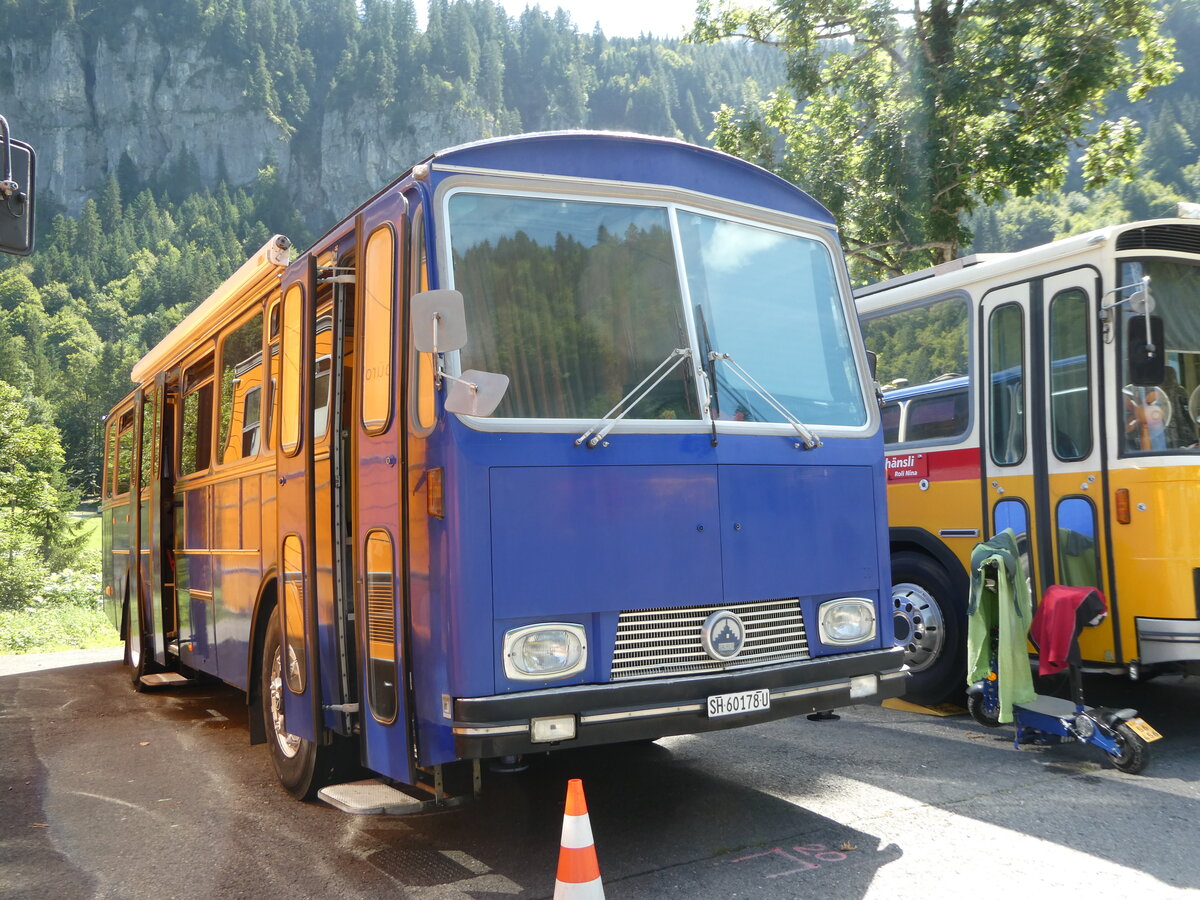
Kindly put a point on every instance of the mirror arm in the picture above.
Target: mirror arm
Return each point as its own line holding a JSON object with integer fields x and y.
{"x": 1142, "y": 294}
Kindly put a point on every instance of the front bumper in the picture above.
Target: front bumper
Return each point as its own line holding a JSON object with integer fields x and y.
{"x": 643, "y": 710}
{"x": 1168, "y": 641}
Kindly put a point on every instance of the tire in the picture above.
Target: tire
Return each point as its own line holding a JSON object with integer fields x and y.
{"x": 1134, "y": 752}
{"x": 303, "y": 767}
{"x": 930, "y": 623}
{"x": 981, "y": 712}
{"x": 139, "y": 661}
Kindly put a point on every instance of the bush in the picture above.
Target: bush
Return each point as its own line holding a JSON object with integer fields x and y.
{"x": 42, "y": 611}
{"x": 22, "y": 569}
{"x": 62, "y": 627}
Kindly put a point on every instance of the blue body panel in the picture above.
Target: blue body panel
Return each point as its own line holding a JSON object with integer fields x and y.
{"x": 538, "y": 530}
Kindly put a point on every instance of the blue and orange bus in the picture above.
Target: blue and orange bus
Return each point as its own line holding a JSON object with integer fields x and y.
{"x": 558, "y": 440}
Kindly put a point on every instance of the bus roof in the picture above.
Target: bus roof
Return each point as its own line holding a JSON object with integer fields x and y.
{"x": 960, "y": 273}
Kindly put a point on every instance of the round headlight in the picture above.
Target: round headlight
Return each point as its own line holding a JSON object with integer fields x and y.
{"x": 544, "y": 651}
{"x": 850, "y": 620}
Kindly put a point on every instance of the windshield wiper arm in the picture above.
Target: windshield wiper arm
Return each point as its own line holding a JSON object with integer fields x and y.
{"x": 810, "y": 439}
{"x": 629, "y": 401}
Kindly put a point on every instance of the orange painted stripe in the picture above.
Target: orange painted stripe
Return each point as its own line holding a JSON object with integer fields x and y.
{"x": 578, "y": 866}
{"x": 576, "y": 805}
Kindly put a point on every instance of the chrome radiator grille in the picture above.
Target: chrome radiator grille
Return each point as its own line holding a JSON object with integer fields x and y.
{"x": 657, "y": 642}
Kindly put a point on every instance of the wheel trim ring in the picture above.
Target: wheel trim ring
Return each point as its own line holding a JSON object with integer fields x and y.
{"x": 289, "y": 744}
{"x": 909, "y": 602}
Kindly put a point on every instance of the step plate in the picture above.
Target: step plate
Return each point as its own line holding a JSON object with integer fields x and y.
{"x": 165, "y": 679}
{"x": 371, "y": 798}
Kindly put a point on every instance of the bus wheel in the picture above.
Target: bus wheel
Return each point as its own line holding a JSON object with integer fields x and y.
{"x": 139, "y": 661}
{"x": 303, "y": 766}
{"x": 929, "y": 626}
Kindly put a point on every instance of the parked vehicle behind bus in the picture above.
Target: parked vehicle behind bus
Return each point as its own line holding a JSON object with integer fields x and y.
{"x": 559, "y": 440}
{"x": 1054, "y": 391}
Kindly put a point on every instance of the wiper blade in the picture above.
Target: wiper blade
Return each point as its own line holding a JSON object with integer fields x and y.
{"x": 807, "y": 435}
{"x": 629, "y": 401}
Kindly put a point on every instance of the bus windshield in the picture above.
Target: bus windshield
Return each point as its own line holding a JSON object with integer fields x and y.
{"x": 578, "y": 301}
{"x": 1164, "y": 418}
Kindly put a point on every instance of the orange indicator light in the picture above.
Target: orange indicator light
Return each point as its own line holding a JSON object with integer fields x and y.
{"x": 435, "y": 493}
{"x": 1122, "y": 504}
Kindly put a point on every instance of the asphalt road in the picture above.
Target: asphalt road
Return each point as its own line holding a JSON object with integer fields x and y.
{"x": 109, "y": 793}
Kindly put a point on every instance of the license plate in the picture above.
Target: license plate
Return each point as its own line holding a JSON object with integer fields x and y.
{"x": 743, "y": 702}
{"x": 1143, "y": 729}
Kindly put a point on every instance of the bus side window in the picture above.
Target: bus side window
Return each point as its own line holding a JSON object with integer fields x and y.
{"x": 890, "y": 413}
{"x": 289, "y": 382}
{"x": 1070, "y": 393}
{"x": 1078, "y": 560}
{"x": 124, "y": 452}
{"x": 110, "y": 462}
{"x": 424, "y": 410}
{"x": 381, "y": 625}
{"x": 937, "y": 416}
{"x": 195, "y": 452}
{"x": 272, "y": 399}
{"x": 149, "y": 418}
{"x": 241, "y": 383}
{"x": 378, "y": 362}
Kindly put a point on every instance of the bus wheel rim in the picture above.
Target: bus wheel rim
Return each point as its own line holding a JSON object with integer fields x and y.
{"x": 919, "y": 625}
{"x": 289, "y": 744}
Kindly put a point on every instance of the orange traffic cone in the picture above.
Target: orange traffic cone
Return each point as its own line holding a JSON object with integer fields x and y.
{"x": 578, "y": 868}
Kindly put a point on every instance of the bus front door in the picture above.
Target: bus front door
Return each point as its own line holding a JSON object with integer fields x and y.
{"x": 378, "y": 424}
{"x": 1043, "y": 458}
{"x": 297, "y": 532}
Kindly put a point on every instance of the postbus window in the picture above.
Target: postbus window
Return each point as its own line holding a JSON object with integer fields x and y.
{"x": 295, "y": 658}
{"x": 241, "y": 382}
{"x": 272, "y": 398}
{"x": 1006, "y": 385}
{"x": 1070, "y": 391}
{"x": 1078, "y": 555}
{"x": 378, "y": 362}
{"x": 124, "y": 452}
{"x": 289, "y": 384}
{"x": 937, "y": 416}
{"x": 919, "y": 344}
{"x": 149, "y": 433}
{"x": 322, "y": 370}
{"x": 381, "y": 625}
{"x": 890, "y": 413}
{"x": 195, "y": 451}
{"x": 110, "y": 464}
{"x": 424, "y": 409}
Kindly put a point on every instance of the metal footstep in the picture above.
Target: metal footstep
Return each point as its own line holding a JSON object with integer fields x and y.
{"x": 372, "y": 798}
{"x": 165, "y": 679}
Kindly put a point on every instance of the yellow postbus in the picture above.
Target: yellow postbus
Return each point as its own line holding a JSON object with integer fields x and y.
{"x": 1054, "y": 391}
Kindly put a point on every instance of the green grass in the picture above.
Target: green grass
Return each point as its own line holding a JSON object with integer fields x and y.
{"x": 89, "y": 524}
{"x": 58, "y": 626}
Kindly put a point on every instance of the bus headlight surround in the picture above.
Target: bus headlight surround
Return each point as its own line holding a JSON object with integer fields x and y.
{"x": 539, "y": 652}
{"x": 849, "y": 620}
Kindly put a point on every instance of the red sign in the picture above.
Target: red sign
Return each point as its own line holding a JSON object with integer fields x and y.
{"x": 907, "y": 467}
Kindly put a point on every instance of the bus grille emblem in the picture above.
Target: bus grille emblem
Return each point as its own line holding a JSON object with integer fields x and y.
{"x": 723, "y": 635}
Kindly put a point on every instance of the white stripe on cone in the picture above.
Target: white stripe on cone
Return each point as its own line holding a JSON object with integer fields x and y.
{"x": 576, "y": 832}
{"x": 588, "y": 890}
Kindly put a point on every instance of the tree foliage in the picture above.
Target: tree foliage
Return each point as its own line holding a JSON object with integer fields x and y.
{"x": 902, "y": 121}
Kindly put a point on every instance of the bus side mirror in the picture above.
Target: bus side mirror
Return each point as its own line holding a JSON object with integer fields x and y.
{"x": 439, "y": 324}
{"x": 16, "y": 194}
{"x": 1147, "y": 361}
{"x": 873, "y": 363}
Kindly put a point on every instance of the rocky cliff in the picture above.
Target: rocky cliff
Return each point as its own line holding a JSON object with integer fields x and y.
{"x": 84, "y": 102}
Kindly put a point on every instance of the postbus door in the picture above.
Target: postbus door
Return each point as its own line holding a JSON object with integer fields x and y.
{"x": 296, "y": 530}
{"x": 1043, "y": 456}
{"x": 378, "y": 426}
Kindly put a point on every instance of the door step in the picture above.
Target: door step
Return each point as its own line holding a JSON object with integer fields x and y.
{"x": 372, "y": 798}
{"x": 165, "y": 679}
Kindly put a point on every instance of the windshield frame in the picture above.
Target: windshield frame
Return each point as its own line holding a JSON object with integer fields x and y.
{"x": 672, "y": 200}
{"x": 1124, "y": 314}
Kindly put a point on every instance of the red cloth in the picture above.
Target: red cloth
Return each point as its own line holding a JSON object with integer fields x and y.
{"x": 1059, "y": 618}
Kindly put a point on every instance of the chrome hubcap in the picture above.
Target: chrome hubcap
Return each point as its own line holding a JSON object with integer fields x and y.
{"x": 918, "y": 624}
{"x": 289, "y": 744}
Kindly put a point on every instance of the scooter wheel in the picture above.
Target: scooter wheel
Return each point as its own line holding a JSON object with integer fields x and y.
{"x": 981, "y": 712}
{"x": 1134, "y": 752}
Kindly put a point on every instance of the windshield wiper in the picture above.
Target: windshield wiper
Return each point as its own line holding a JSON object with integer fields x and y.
{"x": 605, "y": 424}
{"x": 810, "y": 439}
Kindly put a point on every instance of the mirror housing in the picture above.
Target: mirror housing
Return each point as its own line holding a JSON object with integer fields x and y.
{"x": 1147, "y": 362}
{"x": 873, "y": 363}
{"x": 476, "y": 393}
{"x": 16, "y": 194}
